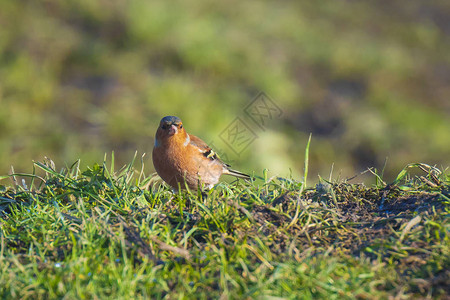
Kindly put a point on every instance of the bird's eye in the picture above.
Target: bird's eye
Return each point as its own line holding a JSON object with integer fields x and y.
{"x": 181, "y": 126}
{"x": 164, "y": 126}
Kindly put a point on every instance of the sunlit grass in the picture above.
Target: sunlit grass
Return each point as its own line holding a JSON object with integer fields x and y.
{"x": 99, "y": 233}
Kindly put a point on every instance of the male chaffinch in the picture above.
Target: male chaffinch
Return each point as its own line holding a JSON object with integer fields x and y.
{"x": 181, "y": 159}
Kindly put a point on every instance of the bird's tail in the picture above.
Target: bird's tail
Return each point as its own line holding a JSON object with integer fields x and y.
{"x": 236, "y": 174}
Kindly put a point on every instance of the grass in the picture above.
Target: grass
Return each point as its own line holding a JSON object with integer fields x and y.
{"x": 98, "y": 233}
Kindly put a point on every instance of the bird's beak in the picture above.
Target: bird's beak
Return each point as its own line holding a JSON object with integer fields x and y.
{"x": 173, "y": 130}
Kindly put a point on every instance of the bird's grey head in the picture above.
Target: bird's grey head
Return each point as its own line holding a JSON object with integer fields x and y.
{"x": 169, "y": 120}
{"x": 169, "y": 126}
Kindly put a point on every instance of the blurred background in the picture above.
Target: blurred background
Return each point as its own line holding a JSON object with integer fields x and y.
{"x": 369, "y": 80}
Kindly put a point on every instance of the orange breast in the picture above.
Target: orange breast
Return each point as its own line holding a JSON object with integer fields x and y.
{"x": 185, "y": 165}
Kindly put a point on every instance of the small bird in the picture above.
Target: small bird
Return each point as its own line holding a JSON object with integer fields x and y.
{"x": 181, "y": 159}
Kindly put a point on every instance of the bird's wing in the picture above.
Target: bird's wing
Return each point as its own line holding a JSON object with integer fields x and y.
{"x": 209, "y": 153}
{"x": 205, "y": 149}
{"x": 197, "y": 142}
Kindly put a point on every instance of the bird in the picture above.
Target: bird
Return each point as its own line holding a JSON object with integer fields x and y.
{"x": 184, "y": 160}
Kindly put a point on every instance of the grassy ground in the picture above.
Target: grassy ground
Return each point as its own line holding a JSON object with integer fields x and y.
{"x": 99, "y": 234}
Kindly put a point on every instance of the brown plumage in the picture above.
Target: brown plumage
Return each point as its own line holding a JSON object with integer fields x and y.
{"x": 181, "y": 159}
